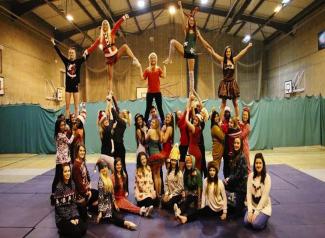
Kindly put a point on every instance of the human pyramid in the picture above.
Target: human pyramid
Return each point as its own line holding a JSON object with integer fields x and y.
{"x": 191, "y": 188}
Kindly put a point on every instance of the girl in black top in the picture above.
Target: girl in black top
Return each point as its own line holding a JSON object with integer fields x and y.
{"x": 66, "y": 214}
{"x": 72, "y": 77}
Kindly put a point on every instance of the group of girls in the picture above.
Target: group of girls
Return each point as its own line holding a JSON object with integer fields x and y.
{"x": 191, "y": 187}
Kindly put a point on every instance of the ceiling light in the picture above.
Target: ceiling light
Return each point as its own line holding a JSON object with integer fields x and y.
{"x": 69, "y": 17}
{"x": 246, "y": 39}
{"x": 141, "y": 3}
{"x": 285, "y": 2}
{"x": 172, "y": 9}
{"x": 101, "y": 46}
{"x": 204, "y": 1}
{"x": 278, "y": 8}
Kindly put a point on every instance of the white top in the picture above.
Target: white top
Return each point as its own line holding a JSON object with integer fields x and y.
{"x": 174, "y": 185}
{"x": 216, "y": 203}
{"x": 258, "y": 189}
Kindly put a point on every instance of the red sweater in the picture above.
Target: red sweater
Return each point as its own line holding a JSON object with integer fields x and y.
{"x": 153, "y": 79}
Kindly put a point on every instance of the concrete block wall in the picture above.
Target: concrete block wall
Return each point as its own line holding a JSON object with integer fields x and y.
{"x": 293, "y": 54}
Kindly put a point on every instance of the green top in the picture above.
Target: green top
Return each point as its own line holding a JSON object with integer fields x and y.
{"x": 192, "y": 181}
{"x": 190, "y": 43}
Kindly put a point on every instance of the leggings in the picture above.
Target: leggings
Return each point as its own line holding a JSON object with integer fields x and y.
{"x": 259, "y": 222}
{"x": 239, "y": 209}
{"x": 66, "y": 228}
{"x": 170, "y": 204}
{"x": 203, "y": 212}
{"x": 203, "y": 160}
{"x": 158, "y": 99}
{"x": 183, "y": 151}
{"x": 147, "y": 202}
{"x": 115, "y": 219}
{"x": 186, "y": 204}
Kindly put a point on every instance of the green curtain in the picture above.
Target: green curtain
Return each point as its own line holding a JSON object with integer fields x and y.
{"x": 274, "y": 123}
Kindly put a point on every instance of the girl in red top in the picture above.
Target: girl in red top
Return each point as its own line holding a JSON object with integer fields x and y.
{"x": 153, "y": 73}
{"x": 194, "y": 138}
{"x": 120, "y": 182}
{"x": 245, "y": 131}
{"x": 106, "y": 42}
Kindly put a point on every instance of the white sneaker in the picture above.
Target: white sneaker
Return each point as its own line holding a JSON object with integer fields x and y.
{"x": 143, "y": 211}
{"x": 167, "y": 61}
{"x": 149, "y": 211}
{"x": 136, "y": 62}
{"x": 177, "y": 211}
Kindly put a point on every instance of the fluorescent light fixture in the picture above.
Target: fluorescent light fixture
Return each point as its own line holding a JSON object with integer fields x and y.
{"x": 246, "y": 39}
{"x": 69, "y": 17}
{"x": 285, "y": 2}
{"x": 141, "y": 3}
{"x": 278, "y": 8}
{"x": 204, "y": 1}
{"x": 172, "y": 9}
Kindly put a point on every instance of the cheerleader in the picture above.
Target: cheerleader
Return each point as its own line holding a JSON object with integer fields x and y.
{"x": 246, "y": 129}
{"x": 106, "y": 42}
{"x": 228, "y": 87}
{"x": 153, "y": 73}
{"x": 141, "y": 130}
{"x": 188, "y": 49}
{"x": 72, "y": 77}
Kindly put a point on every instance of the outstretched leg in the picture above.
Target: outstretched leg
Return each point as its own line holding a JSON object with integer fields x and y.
{"x": 174, "y": 44}
{"x": 125, "y": 49}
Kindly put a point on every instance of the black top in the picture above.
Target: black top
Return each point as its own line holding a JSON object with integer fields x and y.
{"x": 106, "y": 148}
{"x": 119, "y": 129}
{"x": 72, "y": 67}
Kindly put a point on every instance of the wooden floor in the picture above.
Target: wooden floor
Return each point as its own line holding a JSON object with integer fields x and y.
{"x": 15, "y": 168}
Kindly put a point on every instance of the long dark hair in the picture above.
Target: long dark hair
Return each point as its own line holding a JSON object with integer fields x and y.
{"x": 176, "y": 169}
{"x": 76, "y": 151}
{"x": 139, "y": 127}
{"x": 249, "y": 115}
{"x": 225, "y": 57}
{"x": 188, "y": 28}
{"x": 80, "y": 125}
{"x": 123, "y": 176}
{"x": 213, "y": 116}
{"x": 171, "y": 124}
{"x": 263, "y": 172}
{"x": 57, "y": 127}
{"x": 58, "y": 178}
{"x": 139, "y": 164}
{"x": 237, "y": 154}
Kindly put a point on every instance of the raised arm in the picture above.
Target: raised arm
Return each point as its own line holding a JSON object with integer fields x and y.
{"x": 182, "y": 15}
{"x": 119, "y": 23}
{"x": 63, "y": 58}
{"x": 163, "y": 74}
{"x": 92, "y": 48}
{"x": 243, "y": 52}
{"x": 188, "y": 123}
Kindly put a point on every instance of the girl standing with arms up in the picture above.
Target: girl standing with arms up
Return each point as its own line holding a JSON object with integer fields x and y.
{"x": 72, "y": 77}
{"x": 153, "y": 73}
{"x": 188, "y": 49}
{"x": 228, "y": 87}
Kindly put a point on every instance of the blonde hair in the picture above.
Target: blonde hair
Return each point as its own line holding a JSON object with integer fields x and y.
{"x": 108, "y": 184}
{"x": 102, "y": 33}
{"x": 152, "y": 54}
{"x": 101, "y": 129}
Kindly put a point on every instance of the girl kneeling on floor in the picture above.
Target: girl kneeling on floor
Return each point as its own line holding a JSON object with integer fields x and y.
{"x": 258, "y": 198}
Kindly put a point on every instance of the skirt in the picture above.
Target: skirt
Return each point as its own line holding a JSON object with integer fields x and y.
{"x": 111, "y": 60}
{"x": 228, "y": 89}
